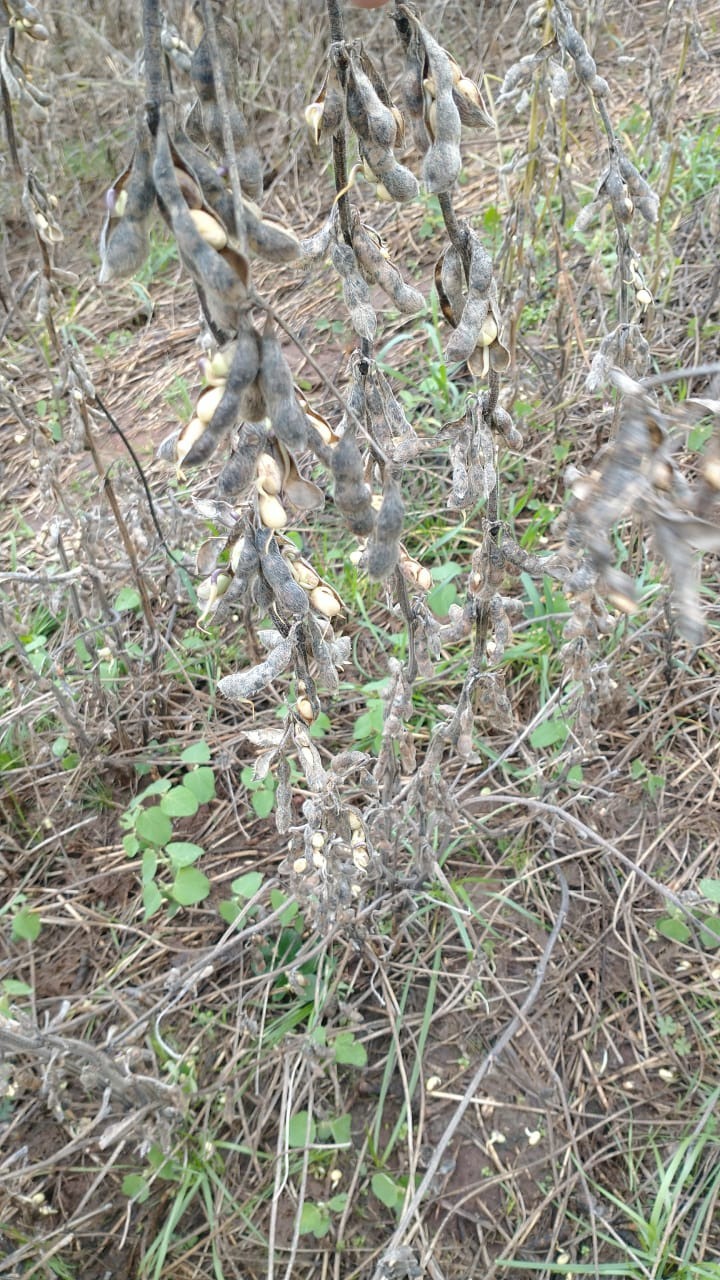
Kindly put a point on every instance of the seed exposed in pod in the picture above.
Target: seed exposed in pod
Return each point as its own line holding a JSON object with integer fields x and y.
{"x": 210, "y": 229}
{"x": 299, "y": 865}
{"x": 208, "y": 402}
{"x": 325, "y": 601}
{"x": 269, "y": 475}
{"x": 188, "y": 437}
{"x": 303, "y": 706}
{"x": 313, "y": 118}
{"x": 272, "y": 512}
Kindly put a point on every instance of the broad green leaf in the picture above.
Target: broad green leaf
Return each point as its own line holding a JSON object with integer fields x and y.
{"x": 229, "y": 910}
{"x": 153, "y": 826}
{"x": 340, "y": 1128}
{"x": 710, "y": 889}
{"x": 182, "y": 853}
{"x": 135, "y": 1187}
{"x": 312, "y": 1219}
{"x": 26, "y": 925}
{"x": 179, "y": 802}
{"x": 131, "y": 844}
{"x": 263, "y": 801}
{"x": 300, "y": 1133}
{"x": 673, "y": 929}
{"x": 710, "y": 932}
{"x": 13, "y": 987}
{"x": 59, "y": 747}
{"x": 338, "y": 1203}
{"x": 198, "y": 753}
{"x": 247, "y": 886}
{"x": 152, "y": 899}
{"x": 347, "y": 1050}
{"x": 386, "y": 1190}
{"x": 549, "y": 734}
{"x": 278, "y": 900}
{"x": 149, "y": 865}
{"x": 190, "y": 886}
{"x": 127, "y": 598}
{"x": 201, "y": 782}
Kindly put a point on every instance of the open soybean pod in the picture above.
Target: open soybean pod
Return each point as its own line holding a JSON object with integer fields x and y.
{"x": 270, "y": 240}
{"x": 289, "y": 597}
{"x": 245, "y": 685}
{"x": 355, "y": 292}
{"x": 384, "y": 547}
{"x": 412, "y": 90}
{"x": 214, "y": 194}
{"x": 476, "y": 310}
{"x": 243, "y": 371}
{"x": 222, "y": 275}
{"x": 287, "y": 418}
{"x": 389, "y": 427}
{"x": 124, "y": 236}
{"x": 376, "y": 268}
{"x": 352, "y": 496}
{"x": 443, "y": 160}
{"x": 450, "y": 284}
{"x": 239, "y": 471}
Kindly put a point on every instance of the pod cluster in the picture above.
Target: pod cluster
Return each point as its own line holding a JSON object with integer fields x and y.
{"x": 468, "y": 297}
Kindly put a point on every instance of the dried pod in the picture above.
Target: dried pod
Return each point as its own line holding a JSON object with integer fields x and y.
{"x": 466, "y": 337}
{"x": 239, "y": 471}
{"x": 468, "y": 100}
{"x": 124, "y": 237}
{"x": 642, "y": 193}
{"x": 369, "y": 117}
{"x": 289, "y": 597}
{"x": 223, "y": 402}
{"x": 222, "y": 277}
{"x": 376, "y": 268}
{"x": 384, "y": 547}
{"x": 394, "y": 181}
{"x": 355, "y": 292}
{"x": 443, "y": 160}
{"x": 352, "y": 495}
{"x": 388, "y": 425}
{"x": 287, "y": 418}
{"x": 270, "y": 240}
{"x": 246, "y": 685}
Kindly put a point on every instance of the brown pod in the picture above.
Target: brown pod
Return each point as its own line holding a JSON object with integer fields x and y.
{"x": 225, "y": 275}
{"x": 243, "y": 371}
{"x": 289, "y": 597}
{"x": 287, "y": 418}
{"x": 355, "y": 292}
{"x": 384, "y": 547}
{"x": 352, "y": 496}
{"x": 370, "y": 117}
{"x": 239, "y": 471}
{"x": 124, "y": 238}
{"x": 399, "y": 183}
{"x": 378, "y": 270}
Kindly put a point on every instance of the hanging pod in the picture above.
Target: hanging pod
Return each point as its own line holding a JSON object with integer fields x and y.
{"x": 384, "y": 547}
{"x": 287, "y": 418}
{"x": 377, "y": 269}
{"x": 220, "y": 406}
{"x": 129, "y": 203}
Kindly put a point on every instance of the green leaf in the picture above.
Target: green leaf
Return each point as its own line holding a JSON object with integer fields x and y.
{"x": 300, "y": 1133}
{"x": 673, "y": 929}
{"x": 313, "y": 1219}
{"x": 26, "y": 925}
{"x": 179, "y": 802}
{"x": 386, "y": 1190}
{"x": 340, "y": 1128}
{"x": 201, "y": 782}
{"x": 190, "y": 886}
{"x": 153, "y": 826}
{"x": 149, "y": 865}
{"x": 131, "y": 844}
{"x": 13, "y": 987}
{"x": 152, "y": 899}
{"x": 247, "y": 886}
{"x": 156, "y": 788}
{"x": 278, "y": 900}
{"x": 135, "y": 1187}
{"x": 348, "y": 1052}
{"x": 710, "y": 932}
{"x": 127, "y": 598}
{"x": 198, "y": 753}
{"x": 59, "y": 747}
{"x": 229, "y": 910}
{"x": 337, "y": 1203}
{"x": 710, "y": 889}
{"x": 182, "y": 853}
{"x": 549, "y": 734}
{"x": 440, "y": 599}
{"x": 263, "y": 801}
